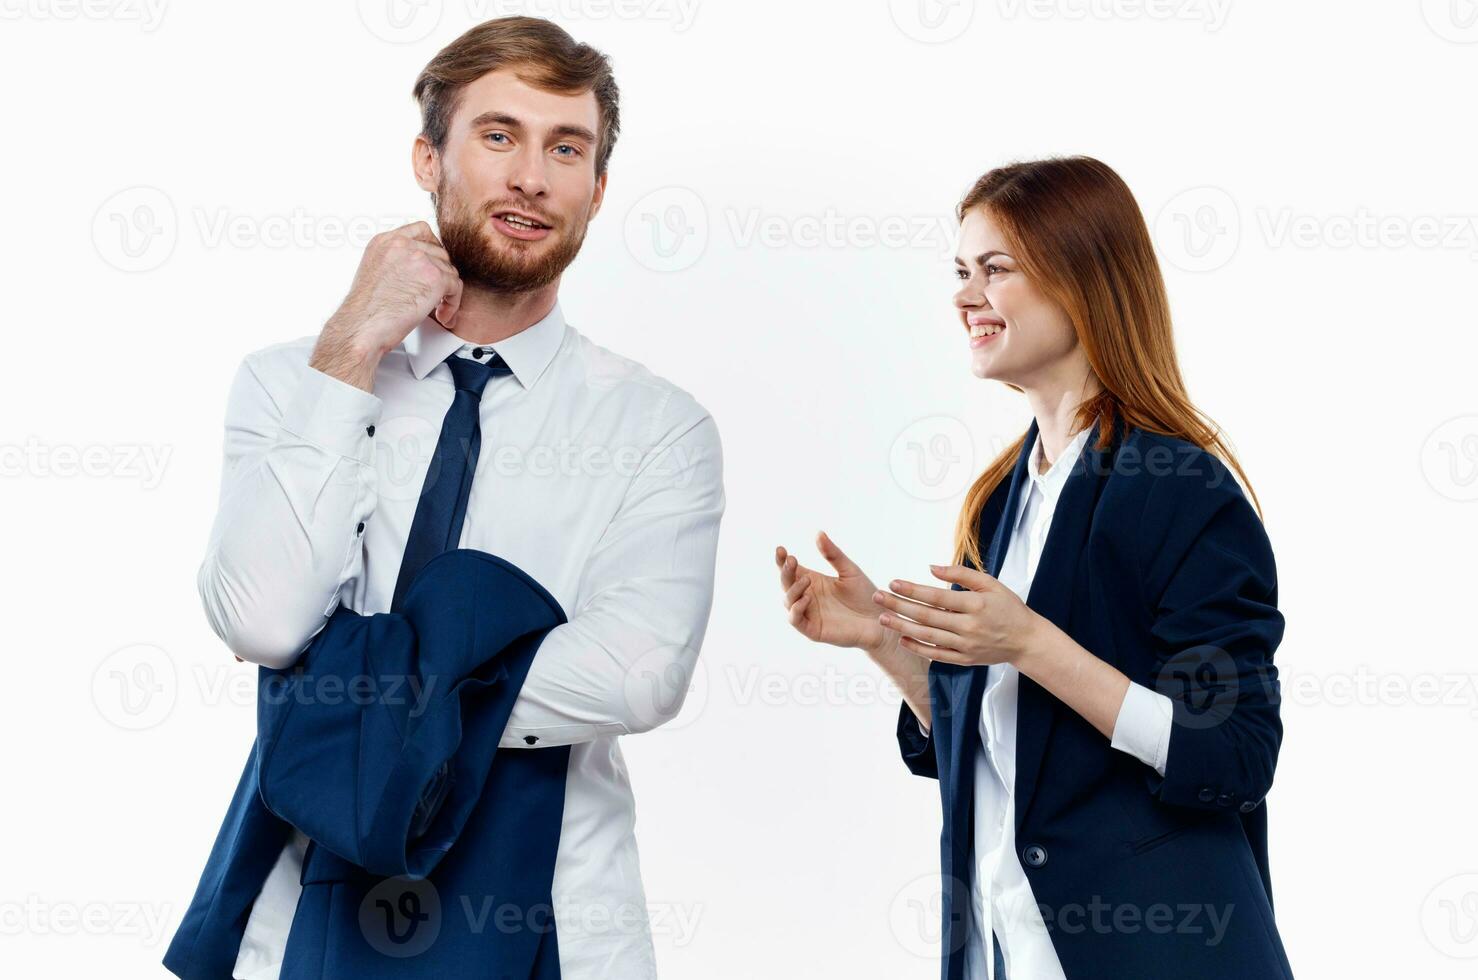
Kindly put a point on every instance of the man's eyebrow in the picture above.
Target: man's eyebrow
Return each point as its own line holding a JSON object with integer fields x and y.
{"x": 494, "y": 117}
{"x": 982, "y": 258}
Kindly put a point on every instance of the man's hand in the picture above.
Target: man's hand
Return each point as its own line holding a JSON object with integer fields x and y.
{"x": 404, "y": 276}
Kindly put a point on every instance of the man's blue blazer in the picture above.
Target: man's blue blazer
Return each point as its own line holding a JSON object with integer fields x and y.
{"x": 1155, "y": 562}
{"x": 431, "y": 853}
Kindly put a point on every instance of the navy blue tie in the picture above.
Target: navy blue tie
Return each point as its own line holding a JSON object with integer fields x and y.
{"x": 437, "y": 526}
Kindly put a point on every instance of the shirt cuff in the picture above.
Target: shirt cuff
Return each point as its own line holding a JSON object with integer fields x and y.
{"x": 1142, "y": 728}
{"x": 333, "y": 414}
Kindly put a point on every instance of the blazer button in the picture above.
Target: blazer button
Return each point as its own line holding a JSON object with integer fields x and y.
{"x": 1224, "y": 799}
{"x": 1248, "y": 806}
{"x": 1035, "y": 855}
{"x": 1206, "y": 795}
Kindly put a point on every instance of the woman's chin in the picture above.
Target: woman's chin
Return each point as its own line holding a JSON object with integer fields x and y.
{"x": 981, "y": 366}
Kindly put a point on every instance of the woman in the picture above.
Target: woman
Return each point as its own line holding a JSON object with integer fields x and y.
{"x": 1094, "y": 688}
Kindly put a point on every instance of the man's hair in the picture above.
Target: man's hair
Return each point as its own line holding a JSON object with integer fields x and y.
{"x": 539, "y": 52}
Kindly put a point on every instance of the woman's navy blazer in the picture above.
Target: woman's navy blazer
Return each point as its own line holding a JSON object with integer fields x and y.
{"x": 1156, "y": 563}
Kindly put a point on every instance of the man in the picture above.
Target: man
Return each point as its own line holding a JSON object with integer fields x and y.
{"x": 600, "y": 480}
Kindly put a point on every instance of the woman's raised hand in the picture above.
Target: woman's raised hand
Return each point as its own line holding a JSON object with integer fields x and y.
{"x": 831, "y": 609}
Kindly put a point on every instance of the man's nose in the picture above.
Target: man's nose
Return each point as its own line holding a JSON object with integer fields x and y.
{"x": 528, "y": 175}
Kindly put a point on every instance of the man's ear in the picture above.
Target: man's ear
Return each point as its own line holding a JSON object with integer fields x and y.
{"x": 425, "y": 164}
{"x": 600, "y": 195}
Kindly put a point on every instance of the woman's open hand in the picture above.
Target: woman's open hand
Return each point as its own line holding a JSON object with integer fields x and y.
{"x": 831, "y": 609}
{"x": 984, "y": 624}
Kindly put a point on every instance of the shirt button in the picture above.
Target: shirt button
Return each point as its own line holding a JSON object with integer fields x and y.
{"x": 530, "y": 739}
{"x": 369, "y": 430}
{"x": 1035, "y": 855}
{"x": 480, "y": 353}
{"x": 360, "y": 528}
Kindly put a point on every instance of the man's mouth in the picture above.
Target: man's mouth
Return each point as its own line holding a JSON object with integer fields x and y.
{"x": 520, "y": 221}
{"x": 524, "y": 227}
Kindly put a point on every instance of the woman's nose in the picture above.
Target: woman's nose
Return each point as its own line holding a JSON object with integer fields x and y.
{"x": 970, "y": 297}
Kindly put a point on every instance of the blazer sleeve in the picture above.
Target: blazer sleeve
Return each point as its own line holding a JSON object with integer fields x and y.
{"x": 917, "y": 748}
{"x": 1210, "y": 585}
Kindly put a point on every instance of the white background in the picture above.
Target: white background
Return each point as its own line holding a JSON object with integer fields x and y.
{"x": 189, "y": 182}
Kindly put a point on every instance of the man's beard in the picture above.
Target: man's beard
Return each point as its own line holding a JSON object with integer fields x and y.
{"x": 515, "y": 267}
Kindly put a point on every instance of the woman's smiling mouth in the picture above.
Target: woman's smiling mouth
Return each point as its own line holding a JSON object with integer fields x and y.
{"x": 983, "y": 330}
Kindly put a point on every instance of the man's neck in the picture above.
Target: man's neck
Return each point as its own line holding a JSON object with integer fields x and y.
{"x": 486, "y": 317}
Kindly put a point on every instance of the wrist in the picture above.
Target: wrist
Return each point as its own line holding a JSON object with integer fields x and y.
{"x": 1036, "y": 642}
{"x": 347, "y": 356}
{"x": 884, "y": 648}
{"x": 355, "y": 334}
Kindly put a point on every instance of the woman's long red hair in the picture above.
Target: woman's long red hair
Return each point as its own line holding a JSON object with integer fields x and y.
{"x": 1077, "y": 232}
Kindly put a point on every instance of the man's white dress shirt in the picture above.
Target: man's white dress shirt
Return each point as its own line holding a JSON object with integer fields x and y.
{"x": 1001, "y": 895}
{"x": 602, "y": 481}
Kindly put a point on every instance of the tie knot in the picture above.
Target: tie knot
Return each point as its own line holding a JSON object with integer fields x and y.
{"x": 473, "y": 376}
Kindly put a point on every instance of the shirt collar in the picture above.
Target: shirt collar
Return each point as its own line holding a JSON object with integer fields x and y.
{"x": 1051, "y": 482}
{"x": 527, "y": 352}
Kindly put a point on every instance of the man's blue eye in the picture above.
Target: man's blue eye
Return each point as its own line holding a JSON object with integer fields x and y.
{"x": 497, "y": 135}
{"x": 566, "y": 146}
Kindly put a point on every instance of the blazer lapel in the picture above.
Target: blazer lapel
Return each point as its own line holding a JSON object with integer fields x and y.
{"x": 1051, "y": 596}
{"x": 967, "y": 684}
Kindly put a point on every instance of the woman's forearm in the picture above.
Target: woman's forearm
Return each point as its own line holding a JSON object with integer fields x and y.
{"x": 909, "y": 672}
{"x": 1090, "y": 686}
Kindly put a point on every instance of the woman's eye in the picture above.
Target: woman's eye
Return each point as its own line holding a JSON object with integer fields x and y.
{"x": 991, "y": 269}
{"x": 962, "y": 274}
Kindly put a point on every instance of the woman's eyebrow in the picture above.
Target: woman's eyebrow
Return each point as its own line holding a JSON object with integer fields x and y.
{"x": 982, "y": 258}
